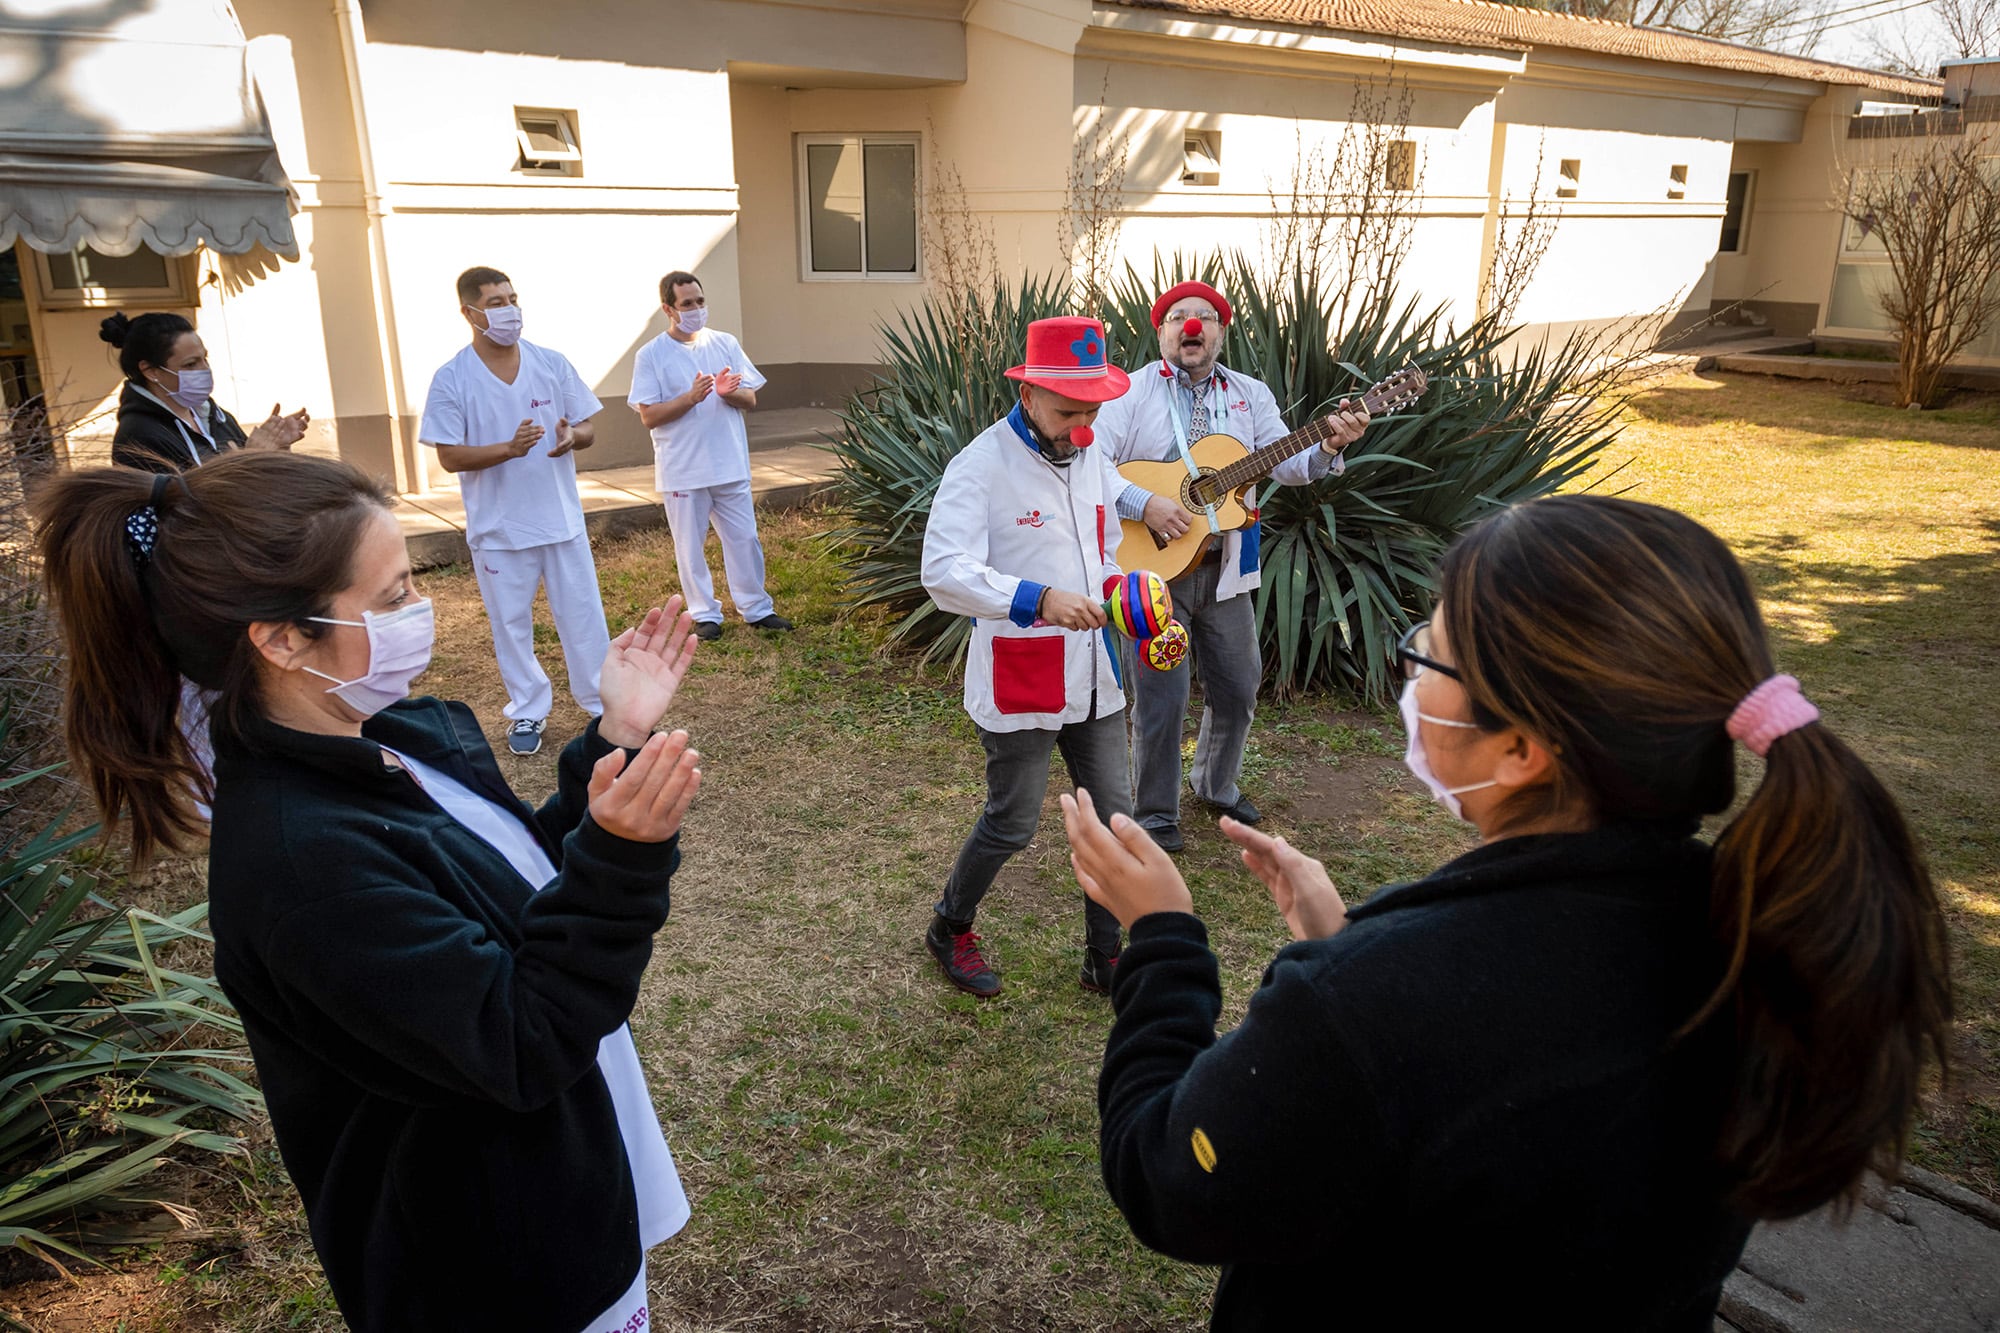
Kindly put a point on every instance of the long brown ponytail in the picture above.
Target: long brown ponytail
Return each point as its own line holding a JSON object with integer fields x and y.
{"x": 1624, "y": 635}
{"x": 249, "y": 537}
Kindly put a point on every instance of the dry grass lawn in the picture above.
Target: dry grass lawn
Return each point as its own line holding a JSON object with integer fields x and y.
{"x": 867, "y": 1149}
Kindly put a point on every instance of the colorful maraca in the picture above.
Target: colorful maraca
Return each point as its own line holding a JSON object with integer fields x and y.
{"x": 1169, "y": 648}
{"x": 1139, "y": 606}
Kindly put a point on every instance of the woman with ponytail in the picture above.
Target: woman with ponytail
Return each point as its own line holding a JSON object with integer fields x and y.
{"x": 167, "y": 421}
{"x": 434, "y": 977}
{"x": 1572, "y": 1067}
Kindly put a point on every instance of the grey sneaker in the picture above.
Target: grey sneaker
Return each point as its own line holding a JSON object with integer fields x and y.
{"x": 525, "y": 736}
{"x": 774, "y": 623}
{"x": 708, "y": 631}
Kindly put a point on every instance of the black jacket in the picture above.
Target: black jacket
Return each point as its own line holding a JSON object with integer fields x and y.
{"x": 1465, "y": 1108}
{"x": 425, "y": 1026}
{"x": 151, "y": 438}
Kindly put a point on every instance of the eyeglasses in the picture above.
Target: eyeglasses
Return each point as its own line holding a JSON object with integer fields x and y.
{"x": 1183, "y": 316}
{"x": 1413, "y": 653}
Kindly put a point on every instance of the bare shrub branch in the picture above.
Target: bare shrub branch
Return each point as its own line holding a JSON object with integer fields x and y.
{"x": 1093, "y": 212}
{"x": 1521, "y": 241}
{"x": 1932, "y": 203}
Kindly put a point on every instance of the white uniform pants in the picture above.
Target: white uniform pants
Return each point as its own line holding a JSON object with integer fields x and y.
{"x": 730, "y": 509}
{"x": 507, "y": 584}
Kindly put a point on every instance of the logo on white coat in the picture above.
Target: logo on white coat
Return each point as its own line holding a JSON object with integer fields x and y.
{"x": 534, "y": 403}
{"x": 1031, "y": 519}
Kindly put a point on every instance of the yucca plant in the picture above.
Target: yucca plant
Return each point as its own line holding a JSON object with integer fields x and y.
{"x": 111, "y": 1061}
{"x": 946, "y": 384}
{"x": 1349, "y": 562}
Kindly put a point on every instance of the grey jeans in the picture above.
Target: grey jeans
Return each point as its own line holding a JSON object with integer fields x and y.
{"x": 1223, "y": 636}
{"x": 1017, "y": 780}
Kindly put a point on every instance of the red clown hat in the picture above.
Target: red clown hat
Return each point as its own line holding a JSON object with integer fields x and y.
{"x": 1201, "y": 289}
{"x": 1068, "y": 356}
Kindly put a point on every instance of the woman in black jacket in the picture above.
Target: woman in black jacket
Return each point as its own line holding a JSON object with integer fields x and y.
{"x": 167, "y": 422}
{"x": 1570, "y": 1068}
{"x": 434, "y": 978}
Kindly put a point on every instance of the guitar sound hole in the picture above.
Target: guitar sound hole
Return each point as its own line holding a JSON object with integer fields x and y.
{"x": 1195, "y": 491}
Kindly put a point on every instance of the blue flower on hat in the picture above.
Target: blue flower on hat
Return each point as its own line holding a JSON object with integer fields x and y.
{"x": 1089, "y": 349}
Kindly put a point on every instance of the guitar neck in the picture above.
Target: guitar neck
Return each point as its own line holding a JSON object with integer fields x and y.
{"x": 1256, "y": 466}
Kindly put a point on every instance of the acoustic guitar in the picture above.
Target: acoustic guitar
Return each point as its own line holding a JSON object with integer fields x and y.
{"x": 1223, "y": 470}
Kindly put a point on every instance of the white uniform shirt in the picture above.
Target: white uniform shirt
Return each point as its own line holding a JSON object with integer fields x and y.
{"x": 1141, "y": 426}
{"x": 1006, "y": 523}
{"x": 526, "y": 501}
{"x": 663, "y": 1204}
{"x": 709, "y": 445}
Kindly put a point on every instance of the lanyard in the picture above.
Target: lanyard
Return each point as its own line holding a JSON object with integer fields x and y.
{"x": 1180, "y": 420}
{"x": 193, "y": 452}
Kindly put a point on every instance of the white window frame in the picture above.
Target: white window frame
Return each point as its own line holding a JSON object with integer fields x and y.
{"x": 177, "y": 293}
{"x": 1201, "y": 159}
{"x": 565, "y": 161}
{"x": 803, "y": 209}
{"x": 1749, "y": 202}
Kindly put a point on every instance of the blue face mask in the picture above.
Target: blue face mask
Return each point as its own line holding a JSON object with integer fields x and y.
{"x": 1416, "y": 761}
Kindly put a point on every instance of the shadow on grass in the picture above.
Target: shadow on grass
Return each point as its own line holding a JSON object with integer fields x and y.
{"x": 1899, "y": 653}
{"x": 1819, "y": 408}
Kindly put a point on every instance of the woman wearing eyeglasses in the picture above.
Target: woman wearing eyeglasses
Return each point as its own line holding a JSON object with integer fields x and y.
{"x": 1570, "y": 1068}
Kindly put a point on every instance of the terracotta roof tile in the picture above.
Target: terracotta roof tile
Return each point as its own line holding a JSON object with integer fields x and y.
{"x": 1483, "y": 23}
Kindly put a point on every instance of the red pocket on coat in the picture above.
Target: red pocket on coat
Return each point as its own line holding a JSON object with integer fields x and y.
{"x": 1028, "y": 674}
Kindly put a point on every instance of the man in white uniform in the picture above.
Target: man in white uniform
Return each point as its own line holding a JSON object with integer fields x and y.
{"x": 1023, "y": 538}
{"x": 691, "y": 387}
{"x": 508, "y": 416}
{"x": 1184, "y": 396}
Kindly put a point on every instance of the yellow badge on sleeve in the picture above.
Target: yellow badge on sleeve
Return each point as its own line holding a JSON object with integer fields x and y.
{"x": 1204, "y": 1152}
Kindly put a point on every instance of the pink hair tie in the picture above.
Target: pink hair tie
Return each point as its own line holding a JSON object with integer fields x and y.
{"x": 1768, "y": 712}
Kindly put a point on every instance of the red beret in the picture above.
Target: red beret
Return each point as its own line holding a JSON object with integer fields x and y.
{"x": 1173, "y": 294}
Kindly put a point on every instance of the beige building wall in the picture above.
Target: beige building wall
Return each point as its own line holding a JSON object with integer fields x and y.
{"x": 689, "y": 118}
{"x": 1275, "y": 129}
{"x": 1003, "y": 129}
{"x": 1784, "y": 271}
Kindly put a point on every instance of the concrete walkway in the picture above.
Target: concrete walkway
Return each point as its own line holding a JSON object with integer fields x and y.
{"x": 787, "y": 467}
{"x": 1921, "y": 1257}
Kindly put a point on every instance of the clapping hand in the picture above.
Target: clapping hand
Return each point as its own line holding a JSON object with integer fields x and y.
{"x": 728, "y": 382}
{"x": 703, "y": 385}
{"x": 279, "y": 431}
{"x": 645, "y": 800}
{"x": 565, "y": 438}
{"x": 642, "y": 673}
{"x": 1299, "y": 885}
{"x": 1121, "y": 868}
{"x": 526, "y": 436}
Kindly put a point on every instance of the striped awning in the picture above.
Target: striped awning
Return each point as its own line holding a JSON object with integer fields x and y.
{"x": 135, "y": 125}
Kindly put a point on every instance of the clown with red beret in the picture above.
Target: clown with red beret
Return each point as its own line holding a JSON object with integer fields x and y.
{"x": 1185, "y": 395}
{"x": 1023, "y": 538}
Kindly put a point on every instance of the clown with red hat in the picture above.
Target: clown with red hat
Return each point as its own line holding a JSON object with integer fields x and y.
{"x": 1023, "y": 538}
{"x": 1175, "y": 401}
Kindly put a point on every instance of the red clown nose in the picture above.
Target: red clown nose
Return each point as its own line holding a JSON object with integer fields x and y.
{"x": 1081, "y": 436}
{"x": 1191, "y": 329}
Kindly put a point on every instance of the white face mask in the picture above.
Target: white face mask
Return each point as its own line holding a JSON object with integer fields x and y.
{"x": 192, "y": 387}
{"x": 399, "y": 648}
{"x": 1415, "y": 760}
{"x": 503, "y": 324}
{"x": 693, "y": 321}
